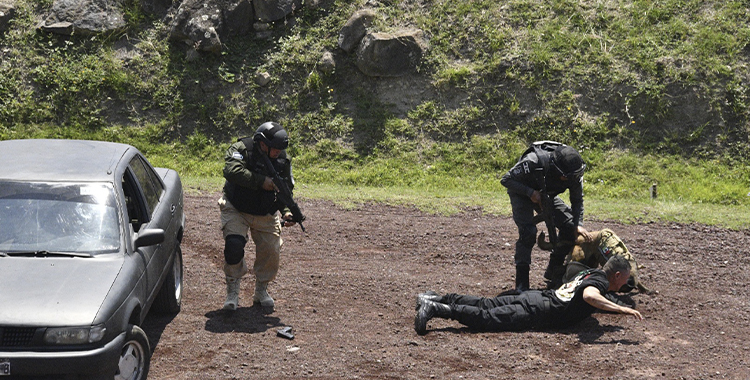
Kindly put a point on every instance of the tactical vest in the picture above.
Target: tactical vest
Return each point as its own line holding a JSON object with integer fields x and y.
{"x": 255, "y": 201}
{"x": 543, "y": 150}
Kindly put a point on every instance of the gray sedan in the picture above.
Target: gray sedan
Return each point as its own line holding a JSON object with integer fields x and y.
{"x": 89, "y": 242}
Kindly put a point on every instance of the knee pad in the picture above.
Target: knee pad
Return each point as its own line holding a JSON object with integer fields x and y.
{"x": 234, "y": 249}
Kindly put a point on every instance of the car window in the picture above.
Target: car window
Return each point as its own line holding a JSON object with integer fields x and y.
{"x": 135, "y": 205}
{"x": 150, "y": 184}
{"x": 58, "y": 217}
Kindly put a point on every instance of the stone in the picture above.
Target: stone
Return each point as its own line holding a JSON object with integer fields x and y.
{"x": 355, "y": 28}
{"x": 390, "y": 55}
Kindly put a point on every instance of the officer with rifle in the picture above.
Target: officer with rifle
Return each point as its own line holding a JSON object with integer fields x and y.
{"x": 259, "y": 183}
{"x": 545, "y": 170}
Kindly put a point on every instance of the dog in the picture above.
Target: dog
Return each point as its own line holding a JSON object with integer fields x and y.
{"x": 595, "y": 254}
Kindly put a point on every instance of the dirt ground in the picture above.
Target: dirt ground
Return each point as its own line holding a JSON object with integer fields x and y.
{"x": 348, "y": 287}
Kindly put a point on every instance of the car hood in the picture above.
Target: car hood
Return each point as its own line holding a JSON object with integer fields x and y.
{"x": 54, "y": 291}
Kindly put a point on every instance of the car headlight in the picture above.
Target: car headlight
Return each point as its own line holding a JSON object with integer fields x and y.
{"x": 74, "y": 335}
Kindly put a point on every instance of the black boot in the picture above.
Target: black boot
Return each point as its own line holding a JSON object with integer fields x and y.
{"x": 522, "y": 278}
{"x": 429, "y": 296}
{"x": 428, "y": 310}
{"x": 555, "y": 269}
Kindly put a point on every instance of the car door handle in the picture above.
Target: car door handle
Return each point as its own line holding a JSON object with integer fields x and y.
{"x": 172, "y": 209}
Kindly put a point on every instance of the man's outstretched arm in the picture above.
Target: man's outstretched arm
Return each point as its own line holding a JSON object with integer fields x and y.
{"x": 592, "y": 296}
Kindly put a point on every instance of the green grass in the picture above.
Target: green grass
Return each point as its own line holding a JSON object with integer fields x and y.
{"x": 453, "y": 202}
{"x": 609, "y": 78}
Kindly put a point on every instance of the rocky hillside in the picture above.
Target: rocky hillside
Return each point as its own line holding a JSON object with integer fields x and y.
{"x": 667, "y": 76}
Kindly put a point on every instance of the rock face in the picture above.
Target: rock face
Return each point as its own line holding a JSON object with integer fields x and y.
{"x": 7, "y": 12}
{"x": 202, "y": 23}
{"x": 390, "y": 55}
{"x": 275, "y": 10}
{"x": 84, "y": 17}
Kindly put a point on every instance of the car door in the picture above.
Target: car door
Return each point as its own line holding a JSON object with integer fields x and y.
{"x": 154, "y": 214}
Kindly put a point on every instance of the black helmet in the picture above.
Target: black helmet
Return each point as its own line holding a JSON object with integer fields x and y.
{"x": 569, "y": 161}
{"x": 272, "y": 134}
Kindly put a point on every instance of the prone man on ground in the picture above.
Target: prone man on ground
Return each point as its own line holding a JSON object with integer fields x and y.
{"x": 532, "y": 309}
{"x": 250, "y": 202}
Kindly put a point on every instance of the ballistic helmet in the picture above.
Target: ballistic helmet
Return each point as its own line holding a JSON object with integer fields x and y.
{"x": 272, "y": 134}
{"x": 569, "y": 161}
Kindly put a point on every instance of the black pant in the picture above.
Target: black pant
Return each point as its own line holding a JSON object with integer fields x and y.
{"x": 502, "y": 313}
{"x": 523, "y": 215}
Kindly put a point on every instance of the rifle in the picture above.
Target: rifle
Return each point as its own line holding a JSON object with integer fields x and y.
{"x": 547, "y": 206}
{"x": 283, "y": 193}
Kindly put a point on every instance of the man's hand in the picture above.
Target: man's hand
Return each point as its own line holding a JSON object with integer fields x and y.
{"x": 286, "y": 220}
{"x": 592, "y": 296}
{"x": 536, "y": 197}
{"x": 633, "y": 312}
{"x": 586, "y": 235}
{"x": 268, "y": 185}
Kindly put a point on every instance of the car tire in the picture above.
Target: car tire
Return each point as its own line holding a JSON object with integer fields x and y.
{"x": 135, "y": 357}
{"x": 169, "y": 299}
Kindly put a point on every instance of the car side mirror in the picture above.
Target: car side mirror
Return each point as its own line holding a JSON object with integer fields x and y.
{"x": 149, "y": 237}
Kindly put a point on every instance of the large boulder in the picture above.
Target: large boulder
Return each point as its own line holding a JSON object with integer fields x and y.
{"x": 355, "y": 28}
{"x": 7, "y": 12}
{"x": 390, "y": 55}
{"x": 84, "y": 17}
{"x": 202, "y": 24}
{"x": 275, "y": 10}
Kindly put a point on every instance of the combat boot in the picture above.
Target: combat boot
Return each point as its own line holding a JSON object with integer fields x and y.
{"x": 554, "y": 276}
{"x": 234, "y": 273}
{"x": 428, "y": 310}
{"x": 522, "y": 278}
{"x": 261, "y": 295}
{"x": 428, "y": 295}
{"x": 555, "y": 270}
{"x": 233, "y": 293}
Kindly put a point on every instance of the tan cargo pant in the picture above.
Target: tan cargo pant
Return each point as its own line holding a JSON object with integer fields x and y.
{"x": 265, "y": 230}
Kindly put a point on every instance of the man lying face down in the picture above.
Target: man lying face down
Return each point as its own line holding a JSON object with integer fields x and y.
{"x": 532, "y": 309}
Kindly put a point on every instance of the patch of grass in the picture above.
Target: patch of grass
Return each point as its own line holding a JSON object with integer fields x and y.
{"x": 601, "y": 76}
{"x": 452, "y": 202}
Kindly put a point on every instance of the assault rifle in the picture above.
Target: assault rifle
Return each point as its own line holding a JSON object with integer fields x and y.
{"x": 547, "y": 204}
{"x": 548, "y": 207}
{"x": 283, "y": 193}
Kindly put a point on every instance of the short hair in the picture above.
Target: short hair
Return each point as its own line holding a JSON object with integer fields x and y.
{"x": 615, "y": 264}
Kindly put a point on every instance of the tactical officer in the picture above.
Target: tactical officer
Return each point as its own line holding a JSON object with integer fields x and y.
{"x": 546, "y": 169}
{"x": 533, "y": 309}
{"x": 249, "y": 203}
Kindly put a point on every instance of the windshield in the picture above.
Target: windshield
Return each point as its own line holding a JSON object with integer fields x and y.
{"x": 58, "y": 217}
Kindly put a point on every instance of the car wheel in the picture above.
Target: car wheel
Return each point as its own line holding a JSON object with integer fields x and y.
{"x": 135, "y": 357}
{"x": 169, "y": 299}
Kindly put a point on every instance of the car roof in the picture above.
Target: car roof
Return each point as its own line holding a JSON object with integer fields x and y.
{"x": 61, "y": 160}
